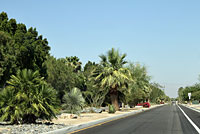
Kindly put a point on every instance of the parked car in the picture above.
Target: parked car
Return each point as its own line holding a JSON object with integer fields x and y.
{"x": 145, "y": 104}
{"x": 162, "y": 102}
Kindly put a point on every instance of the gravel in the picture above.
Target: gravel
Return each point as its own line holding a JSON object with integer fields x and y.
{"x": 30, "y": 128}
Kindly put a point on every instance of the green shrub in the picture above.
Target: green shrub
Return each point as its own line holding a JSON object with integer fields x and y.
{"x": 195, "y": 102}
{"x": 27, "y": 98}
{"x": 74, "y": 101}
{"x": 111, "y": 109}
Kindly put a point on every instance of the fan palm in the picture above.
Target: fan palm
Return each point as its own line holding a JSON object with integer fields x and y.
{"x": 74, "y": 62}
{"x": 27, "y": 98}
{"x": 114, "y": 76}
{"x": 74, "y": 101}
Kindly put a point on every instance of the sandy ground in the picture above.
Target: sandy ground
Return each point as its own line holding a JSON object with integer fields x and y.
{"x": 197, "y": 106}
{"x": 88, "y": 117}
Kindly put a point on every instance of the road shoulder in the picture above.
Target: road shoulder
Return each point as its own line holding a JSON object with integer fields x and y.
{"x": 99, "y": 121}
{"x": 192, "y": 107}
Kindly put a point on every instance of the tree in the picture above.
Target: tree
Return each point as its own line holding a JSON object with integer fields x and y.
{"x": 157, "y": 93}
{"x": 74, "y": 62}
{"x": 114, "y": 76}
{"x": 73, "y": 101}
{"x": 180, "y": 94}
{"x": 62, "y": 77}
{"x": 58, "y": 75}
{"x": 27, "y": 98}
{"x": 7, "y": 57}
{"x": 33, "y": 52}
{"x": 140, "y": 89}
{"x": 134, "y": 96}
{"x": 183, "y": 92}
{"x": 195, "y": 90}
{"x": 94, "y": 94}
{"x": 196, "y": 95}
{"x": 24, "y": 48}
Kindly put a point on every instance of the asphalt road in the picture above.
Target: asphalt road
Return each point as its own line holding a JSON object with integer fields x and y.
{"x": 167, "y": 119}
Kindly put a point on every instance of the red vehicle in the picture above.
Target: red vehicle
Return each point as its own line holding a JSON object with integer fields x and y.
{"x": 162, "y": 102}
{"x": 145, "y": 104}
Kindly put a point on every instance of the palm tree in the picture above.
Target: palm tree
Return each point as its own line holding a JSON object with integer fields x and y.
{"x": 27, "y": 98}
{"x": 74, "y": 62}
{"x": 114, "y": 76}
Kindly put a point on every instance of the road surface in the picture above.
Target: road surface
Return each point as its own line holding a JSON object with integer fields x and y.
{"x": 167, "y": 119}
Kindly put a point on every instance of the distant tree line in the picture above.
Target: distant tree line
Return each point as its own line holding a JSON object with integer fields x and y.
{"x": 194, "y": 90}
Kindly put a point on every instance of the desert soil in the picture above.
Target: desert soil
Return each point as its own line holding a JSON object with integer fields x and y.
{"x": 88, "y": 117}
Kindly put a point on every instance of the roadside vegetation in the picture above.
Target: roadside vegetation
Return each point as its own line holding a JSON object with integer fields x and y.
{"x": 36, "y": 85}
{"x": 195, "y": 94}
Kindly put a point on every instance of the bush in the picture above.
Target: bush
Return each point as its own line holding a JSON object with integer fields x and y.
{"x": 27, "y": 98}
{"x": 74, "y": 101}
{"x": 111, "y": 109}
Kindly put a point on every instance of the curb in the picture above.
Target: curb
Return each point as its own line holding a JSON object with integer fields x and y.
{"x": 192, "y": 108}
{"x": 95, "y": 122}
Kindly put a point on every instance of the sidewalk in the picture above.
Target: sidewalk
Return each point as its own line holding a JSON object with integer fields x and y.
{"x": 195, "y": 107}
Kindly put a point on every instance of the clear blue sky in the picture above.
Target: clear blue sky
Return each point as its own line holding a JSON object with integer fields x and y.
{"x": 164, "y": 35}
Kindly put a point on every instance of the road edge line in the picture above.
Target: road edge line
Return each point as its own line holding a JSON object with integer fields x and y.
{"x": 188, "y": 118}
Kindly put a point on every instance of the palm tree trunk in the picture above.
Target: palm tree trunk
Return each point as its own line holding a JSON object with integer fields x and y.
{"x": 114, "y": 98}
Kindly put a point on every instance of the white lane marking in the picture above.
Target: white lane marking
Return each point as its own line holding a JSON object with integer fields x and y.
{"x": 194, "y": 125}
